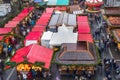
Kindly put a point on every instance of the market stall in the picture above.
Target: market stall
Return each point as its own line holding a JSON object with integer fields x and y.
{"x": 93, "y": 6}
{"x": 45, "y": 17}
{"x": 45, "y": 39}
{"x": 83, "y": 24}
{"x": 116, "y": 34}
{"x": 82, "y": 19}
{"x": 85, "y": 37}
{"x": 39, "y": 28}
{"x": 83, "y": 27}
{"x": 64, "y": 35}
{"x": 26, "y": 57}
{"x": 75, "y": 9}
{"x": 63, "y": 18}
{"x": 75, "y": 58}
{"x": 4, "y": 31}
{"x": 61, "y": 8}
{"x": 33, "y": 38}
{"x": 112, "y": 10}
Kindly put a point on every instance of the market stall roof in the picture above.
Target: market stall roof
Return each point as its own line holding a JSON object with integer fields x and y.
{"x": 77, "y": 53}
{"x": 4, "y": 31}
{"x": 63, "y": 36}
{"x": 42, "y": 23}
{"x": 85, "y": 37}
{"x": 40, "y": 29}
{"x": 39, "y": 26}
{"x": 34, "y": 35}
{"x": 49, "y": 10}
{"x": 22, "y": 14}
{"x": 47, "y": 35}
{"x": 45, "y": 19}
{"x": 32, "y": 38}
{"x": 45, "y": 15}
{"x": 116, "y": 33}
{"x": 112, "y": 10}
{"x": 26, "y": 10}
{"x": 63, "y": 18}
{"x": 82, "y": 19}
{"x": 13, "y": 22}
{"x": 83, "y": 28}
{"x": 10, "y": 25}
{"x": 17, "y": 18}
{"x": 94, "y": 2}
{"x": 61, "y": 8}
{"x": 58, "y": 2}
{"x": 34, "y": 53}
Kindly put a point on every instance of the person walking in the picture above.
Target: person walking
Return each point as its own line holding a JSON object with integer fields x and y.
{"x": 24, "y": 76}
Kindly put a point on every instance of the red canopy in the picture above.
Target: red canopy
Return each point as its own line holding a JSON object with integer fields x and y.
{"x": 58, "y": 8}
{"x": 85, "y": 37}
{"x": 34, "y": 35}
{"x": 83, "y": 27}
{"x": 49, "y": 10}
{"x": 43, "y": 20}
{"x": 10, "y": 25}
{"x": 13, "y": 22}
{"x": 39, "y": 26}
{"x": 46, "y": 15}
{"x": 61, "y": 8}
{"x": 42, "y": 23}
{"x": 17, "y": 18}
{"x": 4, "y": 31}
{"x": 82, "y": 19}
{"x": 40, "y": 29}
{"x": 34, "y": 53}
{"x": 23, "y": 14}
{"x": 26, "y": 10}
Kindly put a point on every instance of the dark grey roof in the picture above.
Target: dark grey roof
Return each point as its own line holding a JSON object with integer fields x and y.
{"x": 77, "y": 56}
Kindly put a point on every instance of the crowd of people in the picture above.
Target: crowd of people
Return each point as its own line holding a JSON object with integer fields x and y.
{"x": 34, "y": 75}
{"x": 110, "y": 66}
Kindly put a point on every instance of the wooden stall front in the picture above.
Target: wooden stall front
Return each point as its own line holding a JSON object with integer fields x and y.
{"x": 76, "y": 58}
{"x": 112, "y": 16}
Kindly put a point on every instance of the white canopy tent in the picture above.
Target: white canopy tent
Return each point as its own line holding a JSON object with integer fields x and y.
{"x": 64, "y": 35}
{"x": 45, "y": 39}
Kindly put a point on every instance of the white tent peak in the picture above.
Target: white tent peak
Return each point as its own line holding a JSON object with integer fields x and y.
{"x": 63, "y": 28}
{"x": 63, "y": 36}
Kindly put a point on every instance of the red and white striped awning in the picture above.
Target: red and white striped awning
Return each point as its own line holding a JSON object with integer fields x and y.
{"x": 94, "y": 2}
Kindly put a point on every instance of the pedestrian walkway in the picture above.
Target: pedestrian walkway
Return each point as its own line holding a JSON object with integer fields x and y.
{"x": 55, "y": 73}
